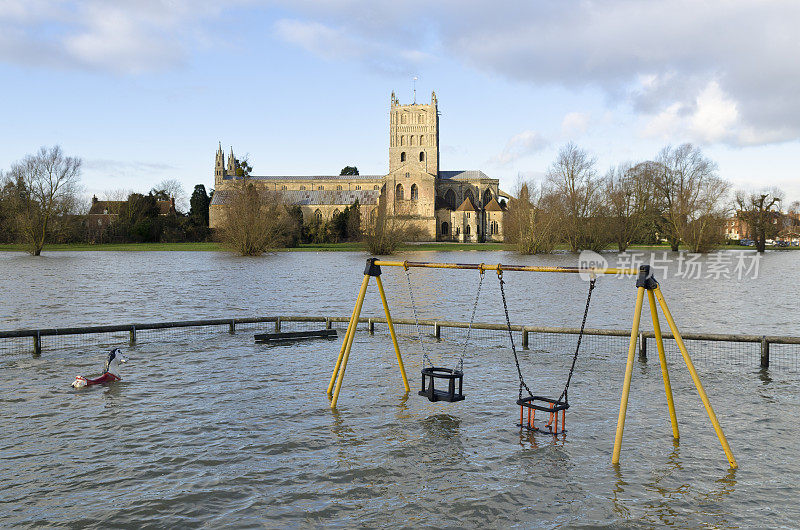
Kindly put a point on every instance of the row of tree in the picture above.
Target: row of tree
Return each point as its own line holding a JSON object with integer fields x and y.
{"x": 256, "y": 220}
{"x": 40, "y": 202}
{"x": 678, "y": 197}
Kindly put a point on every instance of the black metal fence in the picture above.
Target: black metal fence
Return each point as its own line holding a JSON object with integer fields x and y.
{"x": 778, "y": 352}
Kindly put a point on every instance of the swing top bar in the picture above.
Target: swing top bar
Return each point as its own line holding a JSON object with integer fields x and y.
{"x": 503, "y": 268}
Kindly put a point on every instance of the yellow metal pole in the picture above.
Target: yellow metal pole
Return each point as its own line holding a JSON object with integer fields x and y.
{"x": 350, "y": 329}
{"x": 682, "y": 347}
{"x": 663, "y": 360}
{"x": 391, "y": 332}
{"x": 349, "y": 344}
{"x": 626, "y": 386}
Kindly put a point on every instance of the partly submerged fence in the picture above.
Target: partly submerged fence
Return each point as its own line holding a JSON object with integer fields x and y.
{"x": 746, "y": 350}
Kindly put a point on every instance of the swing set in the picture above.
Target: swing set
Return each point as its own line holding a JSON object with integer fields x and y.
{"x": 530, "y": 403}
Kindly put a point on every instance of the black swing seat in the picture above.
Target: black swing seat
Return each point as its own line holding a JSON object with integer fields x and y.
{"x": 547, "y": 404}
{"x": 453, "y": 392}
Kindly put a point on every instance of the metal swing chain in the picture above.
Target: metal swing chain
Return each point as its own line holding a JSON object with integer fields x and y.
{"x": 522, "y": 383}
{"x": 425, "y": 357}
{"x": 580, "y": 336}
{"x": 471, "y": 320}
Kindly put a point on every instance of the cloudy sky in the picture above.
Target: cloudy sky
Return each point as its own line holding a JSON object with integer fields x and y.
{"x": 145, "y": 90}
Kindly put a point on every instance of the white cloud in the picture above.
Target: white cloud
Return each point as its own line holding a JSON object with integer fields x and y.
{"x": 649, "y": 55}
{"x": 575, "y": 124}
{"x": 336, "y": 43}
{"x": 520, "y": 145}
{"x": 121, "y": 37}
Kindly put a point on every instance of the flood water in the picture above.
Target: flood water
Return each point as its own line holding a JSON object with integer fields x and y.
{"x": 210, "y": 429}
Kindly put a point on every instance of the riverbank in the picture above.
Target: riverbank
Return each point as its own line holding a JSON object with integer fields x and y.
{"x": 314, "y": 247}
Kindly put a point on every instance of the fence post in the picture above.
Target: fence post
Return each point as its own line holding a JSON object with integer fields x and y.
{"x": 371, "y": 326}
{"x": 525, "y": 338}
{"x": 278, "y": 325}
{"x": 37, "y": 344}
{"x": 437, "y": 330}
{"x": 232, "y": 326}
{"x": 133, "y": 335}
{"x": 327, "y": 322}
{"x": 764, "y": 352}
{"x": 642, "y": 347}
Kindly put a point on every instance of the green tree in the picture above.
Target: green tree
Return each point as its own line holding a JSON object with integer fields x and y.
{"x": 199, "y": 205}
{"x": 349, "y": 170}
{"x": 138, "y": 219}
{"x": 346, "y": 225}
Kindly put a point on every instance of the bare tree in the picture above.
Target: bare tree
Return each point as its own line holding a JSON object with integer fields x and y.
{"x": 533, "y": 220}
{"x": 649, "y": 202}
{"x": 694, "y": 197}
{"x": 117, "y": 195}
{"x": 572, "y": 177}
{"x": 255, "y": 221}
{"x": 761, "y": 212}
{"x": 48, "y": 187}
{"x": 625, "y": 219}
{"x": 174, "y": 189}
{"x": 384, "y": 232}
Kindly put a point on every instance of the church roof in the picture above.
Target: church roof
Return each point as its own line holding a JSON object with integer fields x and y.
{"x": 493, "y": 206}
{"x": 311, "y": 197}
{"x": 312, "y": 177}
{"x": 467, "y": 206}
{"x": 470, "y": 174}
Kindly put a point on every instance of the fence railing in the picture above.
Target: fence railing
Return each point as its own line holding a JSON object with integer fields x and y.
{"x": 36, "y": 335}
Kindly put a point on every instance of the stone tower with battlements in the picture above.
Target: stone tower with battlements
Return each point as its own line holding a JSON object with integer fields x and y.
{"x": 413, "y": 159}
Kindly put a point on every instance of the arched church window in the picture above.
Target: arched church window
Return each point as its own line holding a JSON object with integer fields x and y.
{"x": 494, "y": 228}
{"x": 399, "y": 192}
{"x": 358, "y": 187}
{"x": 403, "y": 156}
{"x": 487, "y": 196}
{"x": 466, "y": 230}
{"x": 376, "y": 187}
{"x": 339, "y": 187}
{"x": 413, "y": 140}
{"x": 450, "y": 199}
{"x": 414, "y": 192}
{"x": 320, "y": 187}
{"x": 421, "y": 139}
{"x": 318, "y": 215}
{"x": 445, "y": 228}
{"x": 302, "y": 188}
{"x": 283, "y": 187}
{"x": 468, "y": 195}
{"x": 402, "y": 140}
{"x": 422, "y": 156}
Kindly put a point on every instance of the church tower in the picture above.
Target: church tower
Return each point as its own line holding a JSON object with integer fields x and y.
{"x": 233, "y": 164}
{"x": 219, "y": 167}
{"x": 413, "y": 161}
{"x": 414, "y": 136}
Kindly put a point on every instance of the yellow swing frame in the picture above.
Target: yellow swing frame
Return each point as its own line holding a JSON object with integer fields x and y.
{"x": 644, "y": 282}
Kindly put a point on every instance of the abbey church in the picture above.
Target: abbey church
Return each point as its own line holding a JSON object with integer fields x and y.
{"x": 446, "y": 205}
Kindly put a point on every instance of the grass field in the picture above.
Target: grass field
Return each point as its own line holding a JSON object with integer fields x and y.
{"x": 311, "y": 247}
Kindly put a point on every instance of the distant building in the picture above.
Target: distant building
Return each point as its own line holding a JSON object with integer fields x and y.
{"x": 103, "y": 213}
{"x": 445, "y": 205}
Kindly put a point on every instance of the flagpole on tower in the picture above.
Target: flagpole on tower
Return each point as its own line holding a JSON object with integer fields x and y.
{"x": 415, "y": 89}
